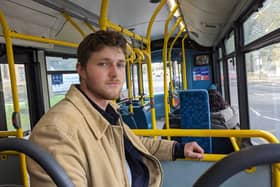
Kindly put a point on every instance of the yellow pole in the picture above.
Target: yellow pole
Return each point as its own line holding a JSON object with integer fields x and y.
{"x": 73, "y": 23}
{"x": 149, "y": 62}
{"x": 184, "y": 64}
{"x": 209, "y": 133}
{"x": 129, "y": 62}
{"x": 11, "y": 63}
{"x": 22, "y": 159}
{"x": 126, "y": 31}
{"x": 103, "y": 20}
{"x": 170, "y": 63}
{"x": 140, "y": 60}
{"x": 43, "y": 40}
{"x": 164, "y": 54}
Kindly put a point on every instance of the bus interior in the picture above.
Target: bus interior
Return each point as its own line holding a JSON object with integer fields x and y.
{"x": 177, "y": 49}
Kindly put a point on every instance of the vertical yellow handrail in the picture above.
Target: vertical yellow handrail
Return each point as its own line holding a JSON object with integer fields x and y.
{"x": 73, "y": 23}
{"x": 128, "y": 66}
{"x": 170, "y": 68}
{"x": 184, "y": 64}
{"x": 11, "y": 63}
{"x": 103, "y": 20}
{"x": 147, "y": 52}
{"x": 164, "y": 55}
{"x": 140, "y": 59}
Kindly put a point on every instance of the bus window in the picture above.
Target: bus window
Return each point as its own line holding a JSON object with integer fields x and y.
{"x": 260, "y": 23}
{"x": 157, "y": 73}
{"x": 22, "y": 93}
{"x": 229, "y": 44}
{"x": 222, "y": 78}
{"x": 134, "y": 76}
{"x": 61, "y": 74}
{"x": 263, "y": 78}
{"x": 233, "y": 83}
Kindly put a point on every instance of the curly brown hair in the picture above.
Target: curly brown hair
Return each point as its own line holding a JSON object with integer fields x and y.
{"x": 97, "y": 41}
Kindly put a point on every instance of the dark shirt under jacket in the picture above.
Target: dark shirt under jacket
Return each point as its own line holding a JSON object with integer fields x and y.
{"x": 139, "y": 172}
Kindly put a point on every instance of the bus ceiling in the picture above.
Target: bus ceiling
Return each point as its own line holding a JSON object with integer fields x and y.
{"x": 206, "y": 21}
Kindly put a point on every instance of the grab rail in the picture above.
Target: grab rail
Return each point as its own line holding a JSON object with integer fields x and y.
{"x": 218, "y": 133}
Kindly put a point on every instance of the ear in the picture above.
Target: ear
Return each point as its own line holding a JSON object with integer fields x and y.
{"x": 81, "y": 71}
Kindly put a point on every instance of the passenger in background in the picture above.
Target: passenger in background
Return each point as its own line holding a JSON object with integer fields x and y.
{"x": 216, "y": 100}
{"x": 223, "y": 116}
{"x": 84, "y": 131}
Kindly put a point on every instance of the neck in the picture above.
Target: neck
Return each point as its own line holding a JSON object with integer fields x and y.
{"x": 102, "y": 103}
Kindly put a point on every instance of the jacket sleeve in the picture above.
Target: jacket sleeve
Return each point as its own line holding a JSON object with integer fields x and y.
{"x": 162, "y": 149}
{"x": 63, "y": 150}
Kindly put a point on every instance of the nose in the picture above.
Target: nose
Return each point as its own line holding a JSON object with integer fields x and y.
{"x": 113, "y": 70}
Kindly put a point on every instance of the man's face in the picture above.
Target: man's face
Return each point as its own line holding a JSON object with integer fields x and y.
{"x": 104, "y": 75}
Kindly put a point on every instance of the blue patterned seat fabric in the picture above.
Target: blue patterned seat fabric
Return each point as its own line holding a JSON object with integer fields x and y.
{"x": 195, "y": 114}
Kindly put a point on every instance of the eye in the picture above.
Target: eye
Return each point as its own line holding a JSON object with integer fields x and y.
{"x": 121, "y": 65}
{"x": 102, "y": 64}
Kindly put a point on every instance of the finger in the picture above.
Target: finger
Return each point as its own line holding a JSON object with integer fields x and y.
{"x": 198, "y": 149}
{"x": 195, "y": 155}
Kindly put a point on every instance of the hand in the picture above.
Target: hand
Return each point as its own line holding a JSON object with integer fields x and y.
{"x": 193, "y": 150}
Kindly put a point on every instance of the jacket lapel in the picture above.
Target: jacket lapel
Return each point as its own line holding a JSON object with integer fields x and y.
{"x": 94, "y": 119}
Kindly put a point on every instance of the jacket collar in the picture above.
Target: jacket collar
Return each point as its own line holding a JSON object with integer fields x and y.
{"x": 97, "y": 123}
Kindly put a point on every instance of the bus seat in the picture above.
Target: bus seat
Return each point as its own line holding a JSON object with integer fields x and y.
{"x": 129, "y": 120}
{"x": 142, "y": 117}
{"x": 195, "y": 114}
{"x": 159, "y": 105}
{"x": 127, "y": 117}
{"x": 147, "y": 112}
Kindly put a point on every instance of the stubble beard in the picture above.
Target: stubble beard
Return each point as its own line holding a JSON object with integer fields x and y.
{"x": 104, "y": 94}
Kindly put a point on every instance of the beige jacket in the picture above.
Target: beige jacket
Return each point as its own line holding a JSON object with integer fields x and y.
{"x": 90, "y": 149}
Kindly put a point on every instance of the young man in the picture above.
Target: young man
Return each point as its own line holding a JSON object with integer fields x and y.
{"x": 85, "y": 134}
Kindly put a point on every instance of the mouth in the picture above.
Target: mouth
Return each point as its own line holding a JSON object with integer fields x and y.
{"x": 113, "y": 84}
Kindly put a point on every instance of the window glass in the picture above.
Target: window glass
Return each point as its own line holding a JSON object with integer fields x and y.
{"x": 229, "y": 44}
{"x": 134, "y": 75}
{"x": 145, "y": 79}
{"x": 220, "y": 53}
{"x": 61, "y": 64}
{"x": 233, "y": 83}
{"x": 263, "y": 76}
{"x": 22, "y": 96}
{"x": 177, "y": 76}
{"x": 59, "y": 84}
{"x": 157, "y": 74}
{"x": 222, "y": 78}
{"x": 260, "y": 23}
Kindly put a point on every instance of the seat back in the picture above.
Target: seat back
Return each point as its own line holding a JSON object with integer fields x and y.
{"x": 195, "y": 114}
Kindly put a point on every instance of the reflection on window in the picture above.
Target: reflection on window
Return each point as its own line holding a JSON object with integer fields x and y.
{"x": 260, "y": 23}
{"x": 263, "y": 76}
{"x": 22, "y": 96}
{"x": 229, "y": 44}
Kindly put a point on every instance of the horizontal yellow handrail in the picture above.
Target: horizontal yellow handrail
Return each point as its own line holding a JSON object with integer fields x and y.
{"x": 8, "y": 133}
{"x": 42, "y": 39}
{"x": 209, "y": 133}
{"x": 126, "y": 32}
